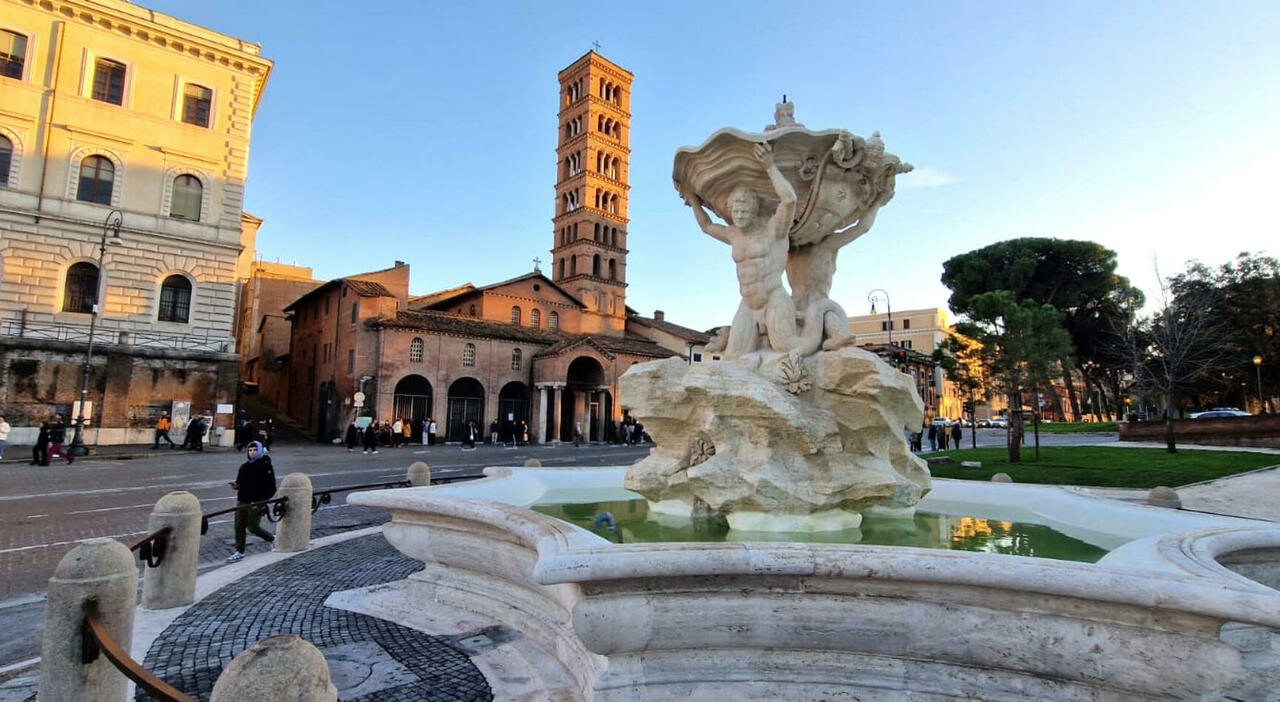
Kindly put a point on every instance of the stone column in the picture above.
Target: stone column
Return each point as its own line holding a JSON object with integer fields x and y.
{"x": 600, "y": 415}
{"x": 540, "y": 425}
{"x": 277, "y": 669}
{"x": 557, "y": 396}
{"x": 173, "y": 583}
{"x": 294, "y": 531}
{"x": 101, "y": 570}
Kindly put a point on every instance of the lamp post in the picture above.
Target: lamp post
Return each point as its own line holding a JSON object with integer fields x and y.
{"x": 1257, "y": 367}
{"x": 873, "y": 298}
{"x": 112, "y": 226}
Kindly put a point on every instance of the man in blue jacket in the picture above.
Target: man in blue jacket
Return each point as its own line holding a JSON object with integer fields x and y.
{"x": 255, "y": 482}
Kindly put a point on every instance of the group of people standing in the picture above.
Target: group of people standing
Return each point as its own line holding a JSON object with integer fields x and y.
{"x": 48, "y": 446}
{"x": 192, "y": 438}
{"x": 939, "y": 436}
{"x": 388, "y": 433}
{"x": 509, "y": 432}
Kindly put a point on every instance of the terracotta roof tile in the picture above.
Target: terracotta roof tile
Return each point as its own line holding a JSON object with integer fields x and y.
{"x": 673, "y": 329}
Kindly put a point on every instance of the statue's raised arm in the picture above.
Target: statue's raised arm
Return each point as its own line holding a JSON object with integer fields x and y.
{"x": 718, "y": 231}
{"x": 780, "y": 222}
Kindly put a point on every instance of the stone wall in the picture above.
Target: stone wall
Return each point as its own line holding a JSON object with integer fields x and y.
{"x": 129, "y": 387}
{"x": 1261, "y": 431}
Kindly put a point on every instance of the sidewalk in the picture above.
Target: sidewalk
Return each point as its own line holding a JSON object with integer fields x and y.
{"x": 118, "y": 452}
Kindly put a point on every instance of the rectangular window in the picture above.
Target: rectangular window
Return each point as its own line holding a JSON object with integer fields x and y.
{"x": 13, "y": 53}
{"x": 351, "y": 361}
{"x": 697, "y": 358}
{"x": 886, "y": 326}
{"x": 108, "y": 81}
{"x": 355, "y": 311}
{"x": 906, "y": 324}
{"x": 196, "y": 100}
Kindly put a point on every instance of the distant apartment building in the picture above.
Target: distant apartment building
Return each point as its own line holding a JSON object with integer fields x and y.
{"x": 121, "y": 120}
{"x": 263, "y": 331}
{"x": 919, "y": 331}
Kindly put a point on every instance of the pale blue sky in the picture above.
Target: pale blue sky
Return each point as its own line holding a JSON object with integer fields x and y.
{"x": 427, "y": 131}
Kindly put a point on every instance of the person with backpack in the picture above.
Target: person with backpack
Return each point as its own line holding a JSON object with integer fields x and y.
{"x": 255, "y": 482}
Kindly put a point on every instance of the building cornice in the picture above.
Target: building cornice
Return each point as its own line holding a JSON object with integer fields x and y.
{"x": 590, "y": 210}
{"x": 159, "y": 30}
{"x": 590, "y": 176}
{"x": 593, "y": 99}
{"x": 98, "y": 135}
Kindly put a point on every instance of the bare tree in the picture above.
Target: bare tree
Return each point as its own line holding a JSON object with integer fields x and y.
{"x": 1175, "y": 347}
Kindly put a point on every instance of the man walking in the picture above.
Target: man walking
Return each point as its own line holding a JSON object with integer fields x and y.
{"x": 933, "y": 438}
{"x": 370, "y": 438}
{"x": 255, "y": 482}
{"x": 163, "y": 425}
{"x": 4, "y": 434}
{"x": 57, "y": 436}
{"x": 431, "y": 432}
{"x": 40, "y": 451}
{"x": 956, "y": 433}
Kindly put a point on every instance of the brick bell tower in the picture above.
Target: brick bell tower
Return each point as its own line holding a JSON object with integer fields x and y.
{"x": 589, "y": 251}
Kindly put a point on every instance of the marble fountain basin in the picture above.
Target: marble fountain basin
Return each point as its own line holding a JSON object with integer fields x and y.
{"x": 824, "y": 621}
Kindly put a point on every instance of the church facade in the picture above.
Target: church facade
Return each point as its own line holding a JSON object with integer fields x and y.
{"x": 546, "y": 349}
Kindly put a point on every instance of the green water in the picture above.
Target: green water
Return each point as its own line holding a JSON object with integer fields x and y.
{"x": 925, "y": 530}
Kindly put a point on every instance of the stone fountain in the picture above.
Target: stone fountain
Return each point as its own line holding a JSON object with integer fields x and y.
{"x": 796, "y": 430}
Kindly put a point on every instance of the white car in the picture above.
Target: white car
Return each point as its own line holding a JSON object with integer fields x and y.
{"x": 1219, "y": 414}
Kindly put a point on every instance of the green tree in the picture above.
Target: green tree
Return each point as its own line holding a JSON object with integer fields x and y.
{"x": 1022, "y": 344}
{"x": 1077, "y": 278}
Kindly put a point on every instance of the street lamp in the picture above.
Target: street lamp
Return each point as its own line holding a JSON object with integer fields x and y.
{"x": 1257, "y": 367}
{"x": 112, "y": 226}
{"x": 873, "y": 298}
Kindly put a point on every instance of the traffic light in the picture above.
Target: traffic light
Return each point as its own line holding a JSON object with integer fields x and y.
{"x": 900, "y": 358}
{"x": 968, "y": 407}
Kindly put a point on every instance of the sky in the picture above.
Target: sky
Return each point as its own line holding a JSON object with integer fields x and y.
{"x": 426, "y": 132}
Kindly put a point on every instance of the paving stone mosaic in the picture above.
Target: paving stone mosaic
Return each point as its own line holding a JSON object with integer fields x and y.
{"x": 288, "y": 598}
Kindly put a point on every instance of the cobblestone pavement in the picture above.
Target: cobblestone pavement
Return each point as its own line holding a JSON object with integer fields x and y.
{"x": 288, "y": 598}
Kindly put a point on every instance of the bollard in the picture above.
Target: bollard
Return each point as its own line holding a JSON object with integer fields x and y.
{"x": 294, "y": 531}
{"x": 277, "y": 669}
{"x": 419, "y": 474}
{"x": 96, "y": 569}
{"x": 533, "y": 463}
{"x": 173, "y": 582}
{"x": 1162, "y": 496}
{"x": 1001, "y": 478}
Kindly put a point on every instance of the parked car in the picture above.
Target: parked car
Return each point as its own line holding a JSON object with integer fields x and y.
{"x": 1220, "y": 413}
{"x": 1000, "y": 422}
{"x": 984, "y": 423}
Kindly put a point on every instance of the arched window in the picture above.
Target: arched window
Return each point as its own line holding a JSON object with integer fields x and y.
{"x": 515, "y": 359}
{"x": 561, "y": 269}
{"x": 187, "y": 195}
{"x": 80, "y": 289}
{"x": 6, "y": 159}
{"x": 415, "y": 350}
{"x": 515, "y": 315}
{"x": 595, "y": 265}
{"x": 469, "y": 355}
{"x": 553, "y": 321}
{"x": 613, "y": 236}
{"x": 613, "y": 269}
{"x": 175, "y": 299}
{"x": 573, "y": 265}
{"x": 535, "y": 318}
{"x": 597, "y": 235}
{"x": 97, "y": 173}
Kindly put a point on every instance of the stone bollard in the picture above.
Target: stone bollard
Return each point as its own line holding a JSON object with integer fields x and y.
{"x": 1161, "y": 496}
{"x": 419, "y": 474}
{"x": 294, "y": 530}
{"x": 533, "y": 463}
{"x": 173, "y": 582}
{"x": 277, "y": 669}
{"x": 96, "y": 569}
{"x": 1001, "y": 478}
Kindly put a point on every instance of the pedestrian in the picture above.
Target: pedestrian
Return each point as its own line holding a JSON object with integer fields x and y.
{"x": 370, "y": 438}
{"x": 522, "y": 433}
{"x": 255, "y": 482}
{"x": 384, "y": 433}
{"x": 353, "y": 436}
{"x": 956, "y": 433}
{"x": 40, "y": 451}
{"x": 268, "y": 433}
{"x": 933, "y": 438}
{"x": 641, "y": 437}
{"x": 4, "y": 434}
{"x": 195, "y": 433}
{"x": 397, "y": 430}
{"x": 162, "y": 431}
{"x": 469, "y": 435}
{"x": 577, "y": 433}
{"x": 431, "y": 432}
{"x": 425, "y": 424}
{"x": 943, "y": 434}
{"x": 57, "y": 437}
{"x": 493, "y": 431}
{"x": 407, "y": 428}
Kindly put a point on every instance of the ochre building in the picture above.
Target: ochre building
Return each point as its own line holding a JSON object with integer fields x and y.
{"x": 115, "y": 118}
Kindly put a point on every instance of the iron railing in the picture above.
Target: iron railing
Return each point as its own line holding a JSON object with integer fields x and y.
{"x": 324, "y": 497}
{"x": 95, "y": 640}
{"x": 152, "y": 547}
{"x": 76, "y": 333}
{"x": 277, "y": 508}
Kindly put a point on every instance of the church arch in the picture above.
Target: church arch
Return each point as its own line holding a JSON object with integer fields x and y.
{"x": 466, "y": 404}
{"x": 412, "y": 401}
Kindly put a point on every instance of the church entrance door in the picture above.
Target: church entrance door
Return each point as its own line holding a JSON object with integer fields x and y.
{"x": 466, "y": 403}
{"x": 412, "y": 401}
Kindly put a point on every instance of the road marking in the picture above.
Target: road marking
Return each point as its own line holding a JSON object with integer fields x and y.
{"x": 36, "y": 516}
{"x": 108, "y": 491}
{"x": 64, "y": 543}
{"x": 19, "y": 665}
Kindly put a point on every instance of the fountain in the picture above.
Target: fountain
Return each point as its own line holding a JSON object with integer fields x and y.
{"x": 797, "y": 436}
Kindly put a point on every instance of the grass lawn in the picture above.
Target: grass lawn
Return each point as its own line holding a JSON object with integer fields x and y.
{"x": 1103, "y": 466}
{"x": 1075, "y": 428}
